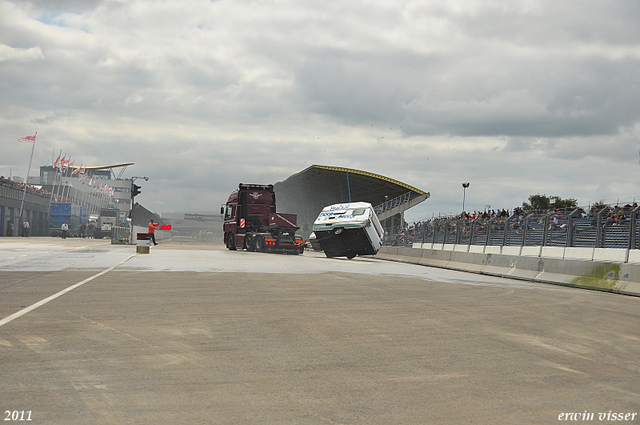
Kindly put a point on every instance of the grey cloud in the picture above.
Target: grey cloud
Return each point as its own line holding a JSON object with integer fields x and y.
{"x": 201, "y": 95}
{"x": 47, "y": 6}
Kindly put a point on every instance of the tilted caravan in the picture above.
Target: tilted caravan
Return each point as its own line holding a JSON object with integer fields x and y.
{"x": 347, "y": 230}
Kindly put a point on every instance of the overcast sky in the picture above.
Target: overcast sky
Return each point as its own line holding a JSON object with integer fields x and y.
{"x": 517, "y": 98}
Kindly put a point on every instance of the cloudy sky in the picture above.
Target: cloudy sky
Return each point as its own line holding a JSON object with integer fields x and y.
{"x": 517, "y": 98}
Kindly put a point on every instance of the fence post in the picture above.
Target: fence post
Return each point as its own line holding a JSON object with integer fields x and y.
{"x": 445, "y": 228}
{"x": 434, "y": 231}
{"x": 472, "y": 234}
{"x": 545, "y": 231}
{"x": 525, "y": 231}
{"x": 506, "y": 230}
{"x": 633, "y": 228}
{"x": 571, "y": 229}
{"x": 489, "y": 228}
{"x": 600, "y": 229}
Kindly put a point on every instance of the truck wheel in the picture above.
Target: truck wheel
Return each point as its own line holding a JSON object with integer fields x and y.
{"x": 231, "y": 242}
{"x": 351, "y": 255}
{"x": 249, "y": 243}
{"x": 259, "y": 244}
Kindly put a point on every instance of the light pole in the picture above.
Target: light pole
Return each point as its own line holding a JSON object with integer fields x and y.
{"x": 135, "y": 190}
{"x": 464, "y": 193}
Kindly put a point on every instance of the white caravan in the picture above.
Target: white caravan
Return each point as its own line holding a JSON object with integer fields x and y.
{"x": 347, "y": 230}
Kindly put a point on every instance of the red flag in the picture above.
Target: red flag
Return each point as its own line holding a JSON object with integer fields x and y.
{"x": 30, "y": 138}
{"x": 165, "y": 227}
{"x": 55, "y": 164}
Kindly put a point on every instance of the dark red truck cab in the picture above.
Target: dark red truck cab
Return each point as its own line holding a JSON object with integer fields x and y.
{"x": 252, "y": 223}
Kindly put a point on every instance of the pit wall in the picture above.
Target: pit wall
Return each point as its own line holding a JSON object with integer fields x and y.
{"x": 611, "y": 270}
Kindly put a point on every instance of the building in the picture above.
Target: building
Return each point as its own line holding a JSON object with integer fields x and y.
{"x": 92, "y": 187}
{"x": 35, "y": 208}
{"x": 88, "y": 189}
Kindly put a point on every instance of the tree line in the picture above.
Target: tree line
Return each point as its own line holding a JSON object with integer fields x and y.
{"x": 543, "y": 202}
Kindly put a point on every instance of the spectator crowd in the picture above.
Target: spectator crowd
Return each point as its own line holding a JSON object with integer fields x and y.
{"x": 30, "y": 189}
{"x": 611, "y": 216}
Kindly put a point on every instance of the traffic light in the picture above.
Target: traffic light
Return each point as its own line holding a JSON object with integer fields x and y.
{"x": 135, "y": 190}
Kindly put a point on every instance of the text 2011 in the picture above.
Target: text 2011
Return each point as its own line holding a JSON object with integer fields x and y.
{"x": 17, "y": 415}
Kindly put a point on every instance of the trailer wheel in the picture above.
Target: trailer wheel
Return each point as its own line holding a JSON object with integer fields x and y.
{"x": 351, "y": 255}
{"x": 258, "y": 244}
{"x": 231, "y": 243}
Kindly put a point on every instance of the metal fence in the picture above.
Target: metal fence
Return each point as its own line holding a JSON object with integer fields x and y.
{"x": 17, "y": 194}
{"x": 611, "y": 227}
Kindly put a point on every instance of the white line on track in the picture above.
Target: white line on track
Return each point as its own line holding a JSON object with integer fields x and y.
{"x": 59, "y": 294}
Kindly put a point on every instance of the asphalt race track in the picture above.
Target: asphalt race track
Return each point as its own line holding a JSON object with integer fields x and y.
{"x": 93, "y": 333}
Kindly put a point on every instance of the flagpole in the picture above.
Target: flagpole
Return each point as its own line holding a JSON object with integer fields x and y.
{"x": 55, "y": 178}
{"x": 66, "y": 186}
{"x": 26, "y": 180}
{"x": 59, "y": 184}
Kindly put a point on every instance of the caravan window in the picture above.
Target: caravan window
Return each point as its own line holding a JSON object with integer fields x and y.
{"x": 359, "y": 211}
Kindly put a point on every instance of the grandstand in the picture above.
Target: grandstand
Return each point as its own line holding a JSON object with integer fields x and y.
{"x": 608, "y": 227}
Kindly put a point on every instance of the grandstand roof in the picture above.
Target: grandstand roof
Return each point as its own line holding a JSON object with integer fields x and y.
{"x": 307, "y": 192}
{"x": 102, "y": 167}
{"x": 361, "y": 185}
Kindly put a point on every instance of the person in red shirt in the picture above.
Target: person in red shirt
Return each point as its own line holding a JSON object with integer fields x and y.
{"x": 152, "y": 231}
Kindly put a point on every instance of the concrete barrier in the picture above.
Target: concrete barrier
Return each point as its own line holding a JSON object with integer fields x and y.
{"x": 552, "y": 252}
{"x": 614, "y": 255}
{"x": 573, "y": 253}
{"x": 467, "y": 262}
{"x": 477, "y": 249}
{"x": 492, "y": 249}
{"x": 550, "y": 267}
{"x": 531, "y": 251}
{"x": 634, "y": 256}
{"x": 511, "y": 250}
